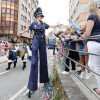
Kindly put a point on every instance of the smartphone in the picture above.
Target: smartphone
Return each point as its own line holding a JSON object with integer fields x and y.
{"x": 77, "y": 34}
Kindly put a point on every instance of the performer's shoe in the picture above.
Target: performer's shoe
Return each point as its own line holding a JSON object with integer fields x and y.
{"x": 14, "y": 65}
{"x": 8, "y": 68}
{"x": 23, "y": 68}
{"x": 24, "y": 65}
{"x": 9, "y": 64}
{"x": 29, "y": 93}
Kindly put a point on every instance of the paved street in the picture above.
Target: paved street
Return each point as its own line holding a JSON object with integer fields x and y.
{"x": 13, "y": 83}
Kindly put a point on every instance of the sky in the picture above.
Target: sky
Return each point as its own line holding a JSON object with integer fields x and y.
{"x": 55, "y": 11}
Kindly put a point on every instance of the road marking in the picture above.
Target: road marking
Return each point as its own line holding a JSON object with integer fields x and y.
{"x": 25, "y": 93}
{"x": 18, "y": 93}
{"x": 4, "y": 72}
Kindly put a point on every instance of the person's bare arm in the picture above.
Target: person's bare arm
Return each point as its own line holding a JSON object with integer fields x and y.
{"x": 89, "y": 28}
{"x": 52, "y": 26}
{"x": 26, "y": 30}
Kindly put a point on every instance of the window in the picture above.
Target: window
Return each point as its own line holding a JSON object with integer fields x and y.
{"x": 13, "y": 0}
{"x": 9, "y": 0}
{"x": 25, "y": 1}
{"x": 3, "y": 23}
{"x": 33, "y": 1}
{"x": 11, "y": 28}
{"x": 12, "y": 4}
{"x": 15, "y": 29}
{"x": 3, "y": 15}
{"x": 22, "y": 17}
{"x": 8, "y": 10}
{"x": 16, "y": 25}
{"x": 7, "y": 29}
{"x": 11, "y": 24}
{"x": 28, "y": 22}
{"x": 25, "y": 19}
{"x": 16, "y": 17}
{"x": 29, "y": 5}
{"x": 28, "y": 13}
{"x": 16, "y": 13}
{"x": 22, "y": 6}
{"x": 8, "y": 15}
{"x": 25, "y": 9}
{"x": 8, "y": 3}
{"x": 77, "y": 6}
{"x": 4, "y": 2}
{"x": 22, "y": 27}
{"x": 12, "y": 11}
{"x": 17, "y": 1}
{"x": 12, "y": 16}
{"x": 7, "y": 23}
{"x": 3, "y": 10}
{"x": 74, "y": 13}
{"x": 16, "y": 5}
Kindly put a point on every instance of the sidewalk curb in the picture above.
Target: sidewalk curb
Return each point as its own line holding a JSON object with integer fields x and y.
{"x": 3, "y": 62}
{"x": 72, "y": 91}
{"x": 3, "y": 59}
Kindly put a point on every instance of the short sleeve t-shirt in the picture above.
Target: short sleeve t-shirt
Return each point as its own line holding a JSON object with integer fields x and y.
{"x": 96, "y": 28}
{"x": 38, "y": 27}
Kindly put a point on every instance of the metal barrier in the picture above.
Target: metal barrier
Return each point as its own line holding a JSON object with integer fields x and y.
{"x": 92, "y": 37}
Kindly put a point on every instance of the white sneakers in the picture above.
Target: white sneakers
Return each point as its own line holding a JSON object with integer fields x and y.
{"x": 88, "y": 75}
{"x": 65, "y": 73}
{"x": 82, "y": 75}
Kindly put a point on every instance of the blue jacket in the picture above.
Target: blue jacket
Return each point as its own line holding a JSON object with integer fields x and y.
{"x": 70, "y": 45}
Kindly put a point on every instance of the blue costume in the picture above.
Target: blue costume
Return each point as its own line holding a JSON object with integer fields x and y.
{"x": 38, "y": 44}
{"x": 12, "y": 58}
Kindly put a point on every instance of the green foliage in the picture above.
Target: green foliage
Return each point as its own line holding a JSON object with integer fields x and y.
{"x": 59, "y": 93}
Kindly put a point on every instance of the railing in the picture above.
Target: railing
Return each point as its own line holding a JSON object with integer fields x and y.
{"x": 91, "y": 37}
{"x": 66, "y": 57}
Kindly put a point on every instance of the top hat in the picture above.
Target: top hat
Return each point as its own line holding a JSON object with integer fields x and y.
{"x": 38, "y": 12}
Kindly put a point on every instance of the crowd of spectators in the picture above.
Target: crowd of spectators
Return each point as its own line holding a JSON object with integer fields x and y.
{"x": 3, "y": 48}
{"x": 77, "y": 50}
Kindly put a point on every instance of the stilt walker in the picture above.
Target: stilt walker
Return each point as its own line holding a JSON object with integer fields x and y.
{"x": 39, "y": 43}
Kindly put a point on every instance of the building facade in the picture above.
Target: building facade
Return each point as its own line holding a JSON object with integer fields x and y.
{"x": 9, "y": 18}
{"x": 0, "y": 11}
{"x": 78, "y": 10}
{"x": 16, "y": 16}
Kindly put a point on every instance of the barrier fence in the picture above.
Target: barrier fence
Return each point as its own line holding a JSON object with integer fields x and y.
{"x": 66, "y": 57}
